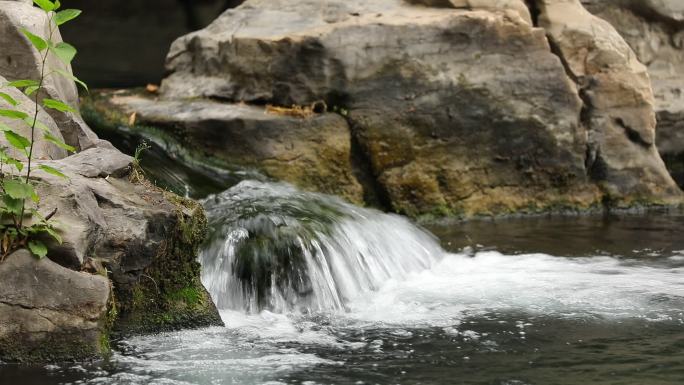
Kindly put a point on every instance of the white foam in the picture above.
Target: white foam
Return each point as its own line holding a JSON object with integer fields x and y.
{"x": 460, "y": 286}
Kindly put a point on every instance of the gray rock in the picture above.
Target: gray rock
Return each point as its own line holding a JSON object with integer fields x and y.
{"x": 514, "y": 6}
{"x": 619, "y": 103}
{"x": 460, "y": 108}
{"x": 50, "y": 313}
{"x": 112, "y": 222}
{"x": 147, "y": 239}
{"x": 657, "y": 39}
{"x": 19, "y": 60}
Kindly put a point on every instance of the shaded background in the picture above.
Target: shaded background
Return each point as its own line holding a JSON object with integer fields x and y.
{"x": 124, "y": 43}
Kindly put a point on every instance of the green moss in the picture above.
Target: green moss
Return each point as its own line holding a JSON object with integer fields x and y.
{"x": 188, "y": 295}
{"x": 169, "y": 294}
{"x": 56, "y": 346}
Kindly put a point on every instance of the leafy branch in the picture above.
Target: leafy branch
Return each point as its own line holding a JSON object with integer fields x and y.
{"x": 19, "y": 200}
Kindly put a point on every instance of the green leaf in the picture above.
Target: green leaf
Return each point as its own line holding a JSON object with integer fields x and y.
{"x": 36, "y": 40}
{"x": 64, "y": 51}
{"x": 13, "y": 114}
{"x": 62, "y": 17}
{"x": 30, "y": 90}
{"x": 16, "y": 140}
{"x": 72, "y": 77}
{"x": 54, "y": 234}
{"x": 17, "y": 189}
{"x": 6, "y": 159}
{"x": 57, "y": 105}
{"x": 38, "y": 248}
{"x": 14, "y": 162}
{"x": 53, "y": 171}
{"x": 12, "y": 205}
{"x": 8, "y": 99}
{"x": 23, "y": 83}
{"x": 57, "y": 142}
{"x": 45, "y": 5}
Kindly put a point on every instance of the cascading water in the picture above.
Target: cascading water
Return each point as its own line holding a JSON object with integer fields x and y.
{"x": 317, "y": 291}
{"x": 275, "y": 247}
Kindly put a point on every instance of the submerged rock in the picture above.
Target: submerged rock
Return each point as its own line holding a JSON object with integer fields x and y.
{"x": 272, "y": 246}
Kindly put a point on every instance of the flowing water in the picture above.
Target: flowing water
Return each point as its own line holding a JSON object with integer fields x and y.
{"x": 316, "y": 291}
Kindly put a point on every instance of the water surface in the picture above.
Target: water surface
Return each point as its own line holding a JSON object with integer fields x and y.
{"x": 584, "y": 300}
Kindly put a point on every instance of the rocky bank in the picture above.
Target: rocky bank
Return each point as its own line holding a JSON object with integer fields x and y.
{"x": 128, "y": 261}
{"x": 444, "y": 108}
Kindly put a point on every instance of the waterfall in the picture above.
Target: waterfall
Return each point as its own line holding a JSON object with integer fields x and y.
{"x": 274, "y": 247}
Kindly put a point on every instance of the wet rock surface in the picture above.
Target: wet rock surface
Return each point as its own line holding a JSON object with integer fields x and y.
{"x": 308, "y": 151}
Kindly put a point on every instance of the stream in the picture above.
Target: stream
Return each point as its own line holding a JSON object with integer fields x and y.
{"x": 314, "y": 290}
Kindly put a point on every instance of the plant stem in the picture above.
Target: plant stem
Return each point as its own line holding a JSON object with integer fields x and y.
{"x": 35, "y": 115}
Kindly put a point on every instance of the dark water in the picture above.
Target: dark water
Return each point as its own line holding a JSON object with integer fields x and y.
{"x": 528, "y": 301}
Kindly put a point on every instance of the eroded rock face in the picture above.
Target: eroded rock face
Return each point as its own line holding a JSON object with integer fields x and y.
{"x": 619, "y": 103}
{"x": 655, "y": 32}
{"x": 144, "y": 239}
{"x": 51, "y": 313}
{"x": 461, "y": 107}
{"x": 19, "y": 60}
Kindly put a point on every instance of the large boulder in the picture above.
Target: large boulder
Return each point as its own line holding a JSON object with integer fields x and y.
{"x": 460, "y": 108}
{"x": 19, "y": 60}
{"x": 51, "y": 313}
{"x": 655, "y": 31}
{"x": 145, "y": 238}
{"x": 618, "y": 103}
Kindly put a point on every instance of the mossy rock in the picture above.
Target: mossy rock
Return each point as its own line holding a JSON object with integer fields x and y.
{"x": 169, "y": 294}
